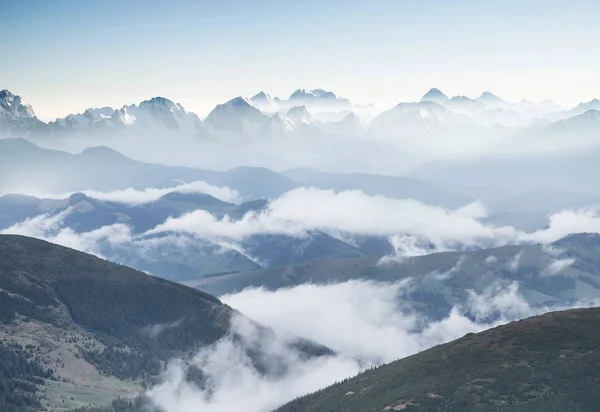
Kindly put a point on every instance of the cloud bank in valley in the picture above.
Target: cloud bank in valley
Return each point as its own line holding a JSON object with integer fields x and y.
{"x": 361, "y": 321}
{"x": 140, "y": 196}
{"x": 353, "y": 212}
{"x": 413, "y": 228}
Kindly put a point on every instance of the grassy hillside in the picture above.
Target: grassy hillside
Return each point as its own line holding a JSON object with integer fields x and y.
{"x": 93, "y": 330}
{"x": 97, "y": 325}
{"x": 545, "y": 363}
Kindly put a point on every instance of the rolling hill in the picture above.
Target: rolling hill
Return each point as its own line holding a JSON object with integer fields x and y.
{"x": 544, "y": 363}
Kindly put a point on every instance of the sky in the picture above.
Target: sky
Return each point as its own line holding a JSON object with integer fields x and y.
{"x": 64, "y": 56}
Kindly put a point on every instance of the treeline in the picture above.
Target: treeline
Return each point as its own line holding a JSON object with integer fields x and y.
{"x": 142, "y": 324}
{"x": 139, "y": 404}
{"x": 19, "y": 378}
{"x": 10, "y": 305}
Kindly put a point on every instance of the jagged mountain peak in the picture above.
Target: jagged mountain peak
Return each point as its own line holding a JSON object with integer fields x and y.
{"x": 234, "y": 114}
{"x": 299, "y": 114}
{"x": 239, "y": 102}
{"x": 279, "y": 123}
{"x": 17, "y": 118}
{"x": 265, "y": 102}
{"x": 314, "y": 93}
{"x": 14, "y": 106}
{"x": 161, "y": 104}
{"x": 261, "y": 95}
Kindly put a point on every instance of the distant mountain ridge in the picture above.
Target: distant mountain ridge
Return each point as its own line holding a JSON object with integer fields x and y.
{"x": 442, "y": 280}
{"x": 254, "y": 116}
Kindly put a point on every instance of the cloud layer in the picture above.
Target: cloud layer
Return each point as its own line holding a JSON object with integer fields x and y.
{"x": 413, "y": 228}
{"x": 361, "y": 321}
{"x": 140, "y": 196}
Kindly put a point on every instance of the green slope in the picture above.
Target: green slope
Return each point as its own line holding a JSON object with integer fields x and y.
{"x": 545, "y": 363}
{"x": 102, "y": 328}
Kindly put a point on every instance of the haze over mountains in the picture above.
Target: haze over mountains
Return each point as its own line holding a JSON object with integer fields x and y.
{"x": 320, "y": 220}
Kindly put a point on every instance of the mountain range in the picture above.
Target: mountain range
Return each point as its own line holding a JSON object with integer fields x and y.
{"x": 265, "y": 116}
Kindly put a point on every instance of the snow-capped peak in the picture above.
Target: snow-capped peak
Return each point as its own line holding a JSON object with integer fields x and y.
{"x": 265, "y": 102}
{"x": 316, "y": 98}
{"x": 279, "y": 123}
{"x": 161, "y": 104}
{"x": 14, "y": 107}
{"x": 234, "y": 114}
{"x": 16, "y": 117}
{"x": 299, "y": 114}
{"x": 151, "y": 115}
{"x": 261, "y": 96}
{"x": 313, "y": 94}
{"x": 434, "y": 95}
{"x": 240, "y": 102}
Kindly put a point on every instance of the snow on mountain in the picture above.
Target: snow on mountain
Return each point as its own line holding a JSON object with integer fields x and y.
{"x": 277, "y": 125}
{"x": 265, "y": 103}
{"x": 305, "y": 112}
{"x": 163, "y": 111}
{"x": 237, "y": 115}
{"x": 155, "y": 115}
{"x": 435, "y": 95}
{"x": 316, "y": 98}
{"x": 87, "y": 119}
{"x": 299, "y": 115}
{"x": 16, "y": 116}
{"x": 414, "y": 118}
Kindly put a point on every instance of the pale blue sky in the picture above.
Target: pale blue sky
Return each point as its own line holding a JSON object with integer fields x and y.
{"x": 64, "y": 56}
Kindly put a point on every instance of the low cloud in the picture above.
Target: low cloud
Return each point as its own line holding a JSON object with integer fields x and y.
{"x": 491, "y": 259}
{"x": 413, "y": 228}
{"x": 513, "y": 263}
{"x": 558, "y": 266}
{"x": 50, "y": 228}
{"x": 154, "y": 330}
{"x": 561, "y": 224}
{"x": 350, "y": 212}
{"x": 363, "y": 322}
{"x": 140, "y": 196}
